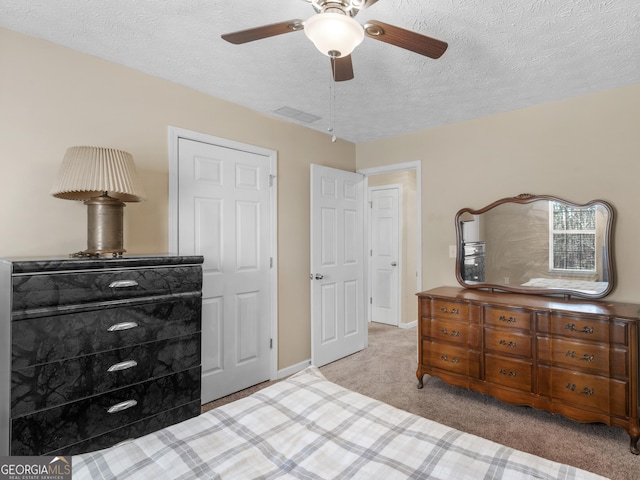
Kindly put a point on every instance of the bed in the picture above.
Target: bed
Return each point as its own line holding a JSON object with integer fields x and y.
{"x": 307, "y": 427}
{"x": 584, "y": 286}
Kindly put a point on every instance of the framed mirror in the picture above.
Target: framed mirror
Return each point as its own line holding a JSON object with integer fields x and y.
{"x": 537, "y": 244}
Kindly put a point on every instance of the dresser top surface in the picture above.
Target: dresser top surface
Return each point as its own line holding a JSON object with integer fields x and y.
{"x": 18, "y": 265}
{"x": 517, "y": 300}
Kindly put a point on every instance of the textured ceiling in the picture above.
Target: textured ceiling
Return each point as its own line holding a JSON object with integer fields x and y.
{"x": 503, "y": 55}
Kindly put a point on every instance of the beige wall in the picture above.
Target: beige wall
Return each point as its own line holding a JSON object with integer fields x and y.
{"x": 406, "y": 178}
{"x": 579, "y": 149}
{"x": 52, "y": 97}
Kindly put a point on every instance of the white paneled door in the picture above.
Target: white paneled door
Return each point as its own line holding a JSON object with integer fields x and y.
{"x": 384, "y": 240}
{"x": 224, "y": 215}
{"x": 338, "y": 325}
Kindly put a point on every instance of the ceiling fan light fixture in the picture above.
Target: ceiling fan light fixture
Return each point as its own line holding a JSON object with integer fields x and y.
{"x": 334, "y": 34}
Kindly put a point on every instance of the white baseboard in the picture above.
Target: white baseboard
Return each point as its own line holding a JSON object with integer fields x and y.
{"x": 408, "y": 325}
{"x": 285, "y": 372}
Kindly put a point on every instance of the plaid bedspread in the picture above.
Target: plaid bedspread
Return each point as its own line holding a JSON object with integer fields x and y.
{"x": 307, "y": 427}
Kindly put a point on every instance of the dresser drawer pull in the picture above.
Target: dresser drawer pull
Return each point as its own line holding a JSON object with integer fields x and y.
{"x": 118, "y": 407}
{"x": 510, "y": 344}
{"x": 503, "y": 318}
{"x": 586, "y": 357}
{"x": 453, "y": 311}
{"x": 453, "y": 360}
{"x": 124, "y": 442}
{"x": 122, "y": 326}
{"x": 572, "y": 328}
{"x": 510, "y": 373}
{"x": 454, "y": 333}
{"x": 123, "y": 284}
{"x": 585, "y": 390}
{"x": 122, "y": 366}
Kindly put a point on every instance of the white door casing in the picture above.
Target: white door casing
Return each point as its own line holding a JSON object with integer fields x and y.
{"x": 225, "y": 213}
{"x": 417, "y": 264}
{"x": 385, "y": 253}
{"x": 338, "y": 326}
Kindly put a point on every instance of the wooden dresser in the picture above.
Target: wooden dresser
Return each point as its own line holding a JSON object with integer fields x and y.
{"x": 96, "y": 351}
{"x": 578, "y": 358}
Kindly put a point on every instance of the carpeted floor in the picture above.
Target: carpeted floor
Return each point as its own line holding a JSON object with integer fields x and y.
{"x": 386, "y": 371}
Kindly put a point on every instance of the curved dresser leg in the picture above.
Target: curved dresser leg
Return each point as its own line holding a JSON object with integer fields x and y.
{"x": 420, "y": 375}
{"x": 633, "y": 446}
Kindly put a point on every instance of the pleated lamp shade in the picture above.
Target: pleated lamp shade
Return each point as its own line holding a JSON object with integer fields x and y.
{"x": 104, "y": 178}
{"x": 88, "y": 172}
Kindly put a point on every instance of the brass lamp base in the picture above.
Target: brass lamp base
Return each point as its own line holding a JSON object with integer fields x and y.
{"x": 104, "y": 226}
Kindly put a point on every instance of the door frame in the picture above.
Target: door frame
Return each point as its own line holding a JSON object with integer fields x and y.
{"x": 174, "y": 134}
{"x": 399, "y": 167}
{"x": 399, "y": 291}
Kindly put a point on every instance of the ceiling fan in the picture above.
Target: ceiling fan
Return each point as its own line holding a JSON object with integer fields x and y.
{"x": 335, "y": 33}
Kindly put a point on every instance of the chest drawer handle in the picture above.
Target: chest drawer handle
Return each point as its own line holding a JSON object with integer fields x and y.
{"x": 122, "y": 326}
{"x": 453, "y": 311}
{"x": 454, "y": 333}
{"x": 123, "y": 284}
{"x": 122, "y": 366}
{"x": 453, "y": 360}
{"x": 572, "y": 328}
{"x": 118, "y": 407}
{"x": 503, "y": 318}
{"x": 585, "y": 390}
{"x": 586, "y": 357}
{"x": 510, "y": 344}
{"x": 510, "y": 373}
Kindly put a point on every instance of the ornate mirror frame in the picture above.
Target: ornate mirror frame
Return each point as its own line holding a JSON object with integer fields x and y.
{"x": 506, "y": 243}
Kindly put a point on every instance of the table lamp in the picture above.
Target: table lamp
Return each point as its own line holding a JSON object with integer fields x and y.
{"x": 104, "y": 178}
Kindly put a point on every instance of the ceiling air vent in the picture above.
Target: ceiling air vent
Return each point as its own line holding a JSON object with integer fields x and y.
{"x": 297, "y": 114}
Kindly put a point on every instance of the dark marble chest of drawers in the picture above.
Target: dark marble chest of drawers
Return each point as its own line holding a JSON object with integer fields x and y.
{"x": 96, "y": 351}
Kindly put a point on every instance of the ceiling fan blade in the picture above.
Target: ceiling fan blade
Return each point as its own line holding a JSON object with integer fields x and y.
{"x": 406, "y": 39}
{"x": 342, "y": 68}
{"x": 258, "y": 33}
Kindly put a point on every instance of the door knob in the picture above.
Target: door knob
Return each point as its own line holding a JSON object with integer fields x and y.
{"x": 319, "y": 276}
{"x": 393, "y": 264}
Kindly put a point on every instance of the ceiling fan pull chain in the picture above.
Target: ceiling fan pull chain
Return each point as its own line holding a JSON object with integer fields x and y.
{"x": 332, "y": 100}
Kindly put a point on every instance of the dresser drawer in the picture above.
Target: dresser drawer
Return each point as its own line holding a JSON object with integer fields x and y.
{"x": 70, "y": 288}
{"x": 508, "y": 372}
{"x": 51, "y": 384}
{"x": 453, "y": 332}
{"x": 452, "y": 359}
{"x": 507, "y": 318}
{"x": 584, "y": 356}
{"x": 133, "y": 430}
{"x": 450, "y": 310}
{"x": 54, "y": 428}
{"x": 507, "y": 341}
{"x": 54, "y": 338}
{"x": 584, "y": 391}
{"x": 596, "y": 329}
